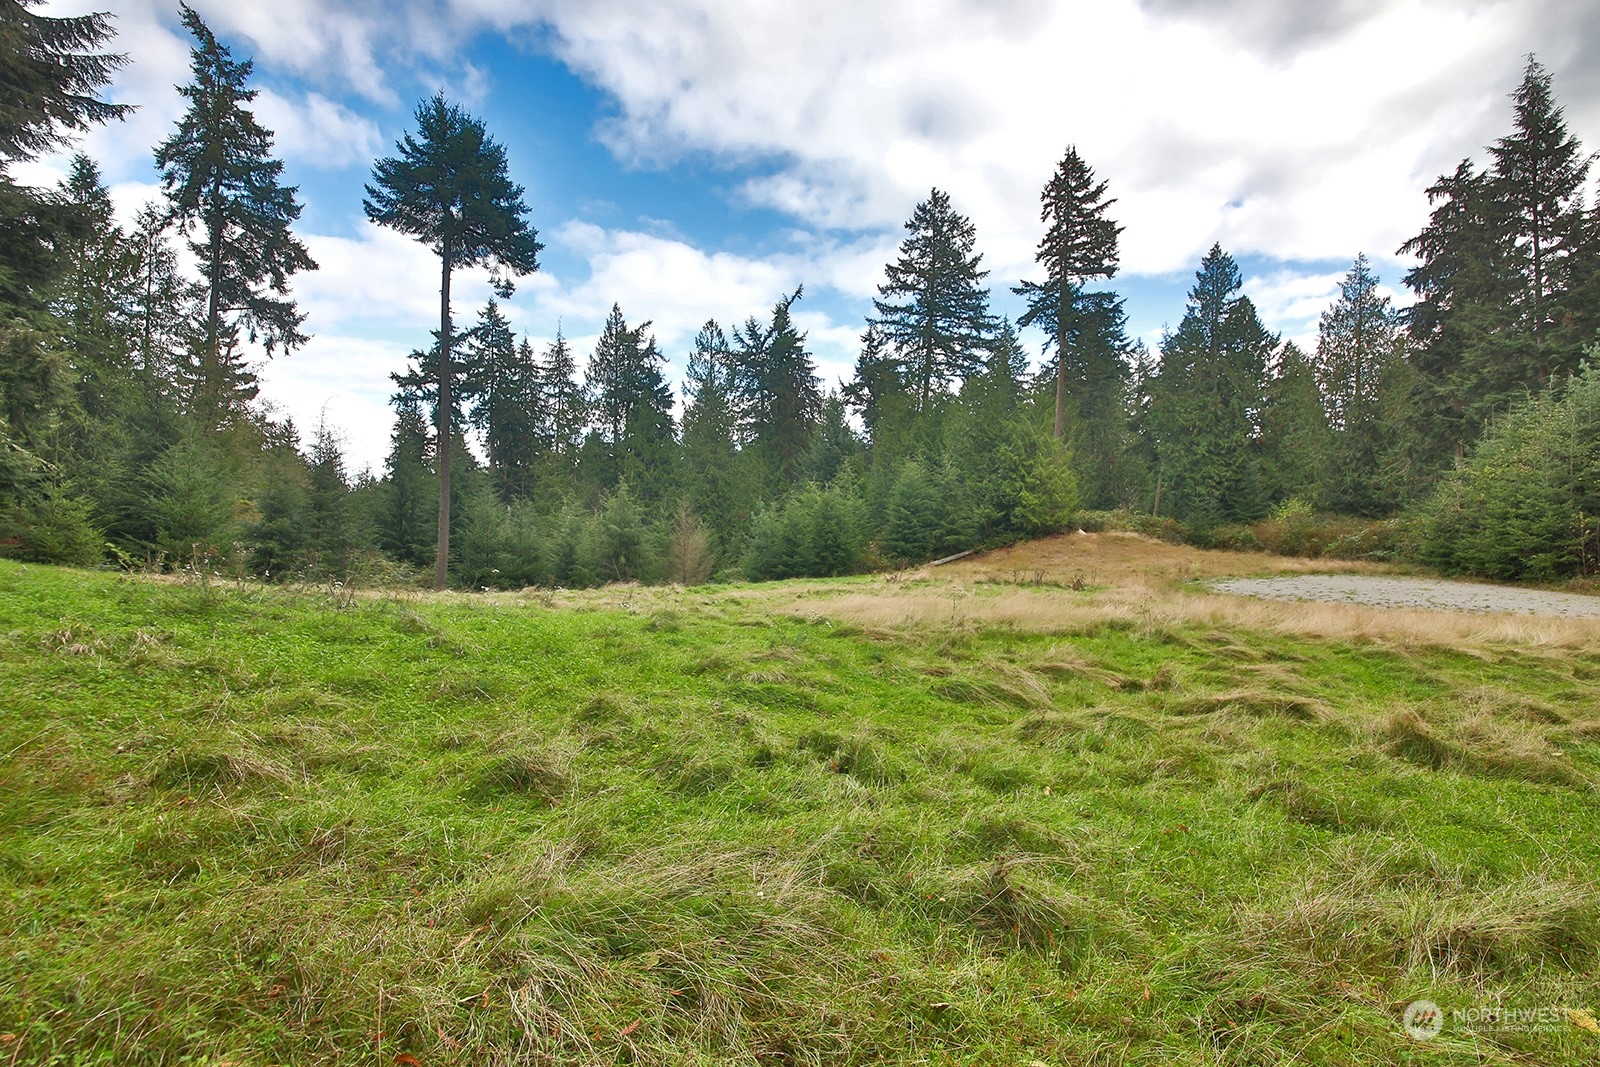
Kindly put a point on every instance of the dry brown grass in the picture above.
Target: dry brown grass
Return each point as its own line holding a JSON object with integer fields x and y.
{"x": 1129, "y": 581}
{"x": 1139, "y": 583}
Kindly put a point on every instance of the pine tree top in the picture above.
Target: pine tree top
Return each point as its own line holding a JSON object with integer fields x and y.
{"x": 450, "y": 188}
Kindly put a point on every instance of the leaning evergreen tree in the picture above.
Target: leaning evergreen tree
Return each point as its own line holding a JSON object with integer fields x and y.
{"x": 219, "y": 175}
{"x": 933, "y": 309}
{"x": 449, "y": 188}
{"x": 1079, "y": 243}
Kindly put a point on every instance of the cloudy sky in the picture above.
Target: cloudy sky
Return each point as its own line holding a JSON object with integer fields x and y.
{"x": 701, "y": 158}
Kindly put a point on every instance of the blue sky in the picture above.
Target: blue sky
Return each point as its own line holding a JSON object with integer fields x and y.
{"x": 691, "y": 159}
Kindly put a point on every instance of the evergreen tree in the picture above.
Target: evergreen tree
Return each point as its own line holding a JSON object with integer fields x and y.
{"x": 50, "y": 71}
{"x": 991, "y": 403}
{"x": 1295, "y": 442}
{"x": 1207, "y": 401}
{"x": 502, "y": 382}
{"x": 714, "y": 475}
{"x": 1537, "y": 183}
{"x": 779, "y": 397}
{"x": 617, "y": 379}
{"x": 405, "y": 526}
{"x": 833, "y": 444}
{"x": 449, "y": 188}
{"x": 566, "y": 413}
{"x": 1460, "y": 290}
{"x": 878, "y": 393}
{"x": 632, "y": 404}
{"x": 1080, "y": 243}
{"x": 51, "y": 78}
{"x": 933, "y": 308}
{"x": 1358, "y": 344}
{"x": 1506, "y": 278}
{"x": 218, "y": 173}
{"x": 335, "y": 533}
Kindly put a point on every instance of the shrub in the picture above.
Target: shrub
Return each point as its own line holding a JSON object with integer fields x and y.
{"x": 1527, "y": 503}
{"x": 55, "y": 527}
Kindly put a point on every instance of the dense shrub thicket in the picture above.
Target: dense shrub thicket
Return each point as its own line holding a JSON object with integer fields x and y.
{"x": 1527, "y": 502}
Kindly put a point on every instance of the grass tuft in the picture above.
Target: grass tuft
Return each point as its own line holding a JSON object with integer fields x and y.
{"x": 536, "y": 775}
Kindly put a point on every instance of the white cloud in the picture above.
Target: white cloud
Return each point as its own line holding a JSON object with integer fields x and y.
{"x": 346, "y": 377}
{"x": 1260, "y": 129}
{"x": 317, "y": 131}
{"x": 678, "y": 286}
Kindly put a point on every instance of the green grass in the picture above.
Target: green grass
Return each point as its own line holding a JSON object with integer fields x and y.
{"x": 240, "y": 825}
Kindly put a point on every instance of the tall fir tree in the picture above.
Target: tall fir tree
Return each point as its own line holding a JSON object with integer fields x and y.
{"x": 1358, "y": 347}
{"x": 566, "y": 412}
{"x": 933, "y": 308}
{"x": 1079, "y": 244}
{"x": 715, "y": 475}
{"x": 450, "y": 188}
{"x": 1295, "y": 444}
{"x": 632, "y": 406}
{"x": 406, "y": 511}
{"x": 1505, "y": 278}
{"x": 779, "y": 396}
{"x": 52, "y": 70}
{"x": 1538, "y": 175}
{"x": 1207, "y": 402}
{"x": 501, "y": 381}
{"x": 881, "y": 398}
{"x": 220, "y": 177}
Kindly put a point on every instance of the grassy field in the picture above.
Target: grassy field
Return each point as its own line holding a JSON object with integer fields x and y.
{"x": 1047, "y": 806}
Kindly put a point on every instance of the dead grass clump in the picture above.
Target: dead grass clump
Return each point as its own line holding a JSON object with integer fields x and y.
{"x": 1166, "y": 678}
{"x": 1519, "y": 924}
{"x": 204, "y": 769}
{"x": 993, "y": 835}
{"x": 541, "y": 776}
{"x": 1004, "y": 904}
{"x": 860, "y": 757}
{"x": 716, "y": 948}
{"x": 409, "y": 622}
{"x": 465, "y": 688}
{"x": 1250, "y": 703}
{"x": 1409, "y": 736}
{"x": 1043, "y": 727}
{"x": 605, "y": 709}
{"x": 1371, "y": 919}
{"x": 1062, "y": 662}
{"x": 1495, "y": 748}
{"x": 1015, "y": 688}
{"x": 1481, "y": 744}
{"x": 1311, "y": 805}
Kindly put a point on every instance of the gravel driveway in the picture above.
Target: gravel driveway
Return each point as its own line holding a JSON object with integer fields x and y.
{"x": 1435, "y": 594}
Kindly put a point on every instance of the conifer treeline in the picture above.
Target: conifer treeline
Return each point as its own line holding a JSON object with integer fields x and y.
{"x": 130, "y": 424}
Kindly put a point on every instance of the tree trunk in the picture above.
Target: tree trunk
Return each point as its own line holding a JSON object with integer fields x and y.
{"x": 1061, "y": 360}
{"x": 211, "y": 373}
{"x": 441, "y": 558}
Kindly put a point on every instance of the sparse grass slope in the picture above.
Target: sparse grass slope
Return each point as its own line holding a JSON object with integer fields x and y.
{"x": 775, "y": 825}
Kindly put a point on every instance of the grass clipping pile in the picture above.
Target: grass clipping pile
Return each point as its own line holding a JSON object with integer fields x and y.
{"x": 1047, "y": 806}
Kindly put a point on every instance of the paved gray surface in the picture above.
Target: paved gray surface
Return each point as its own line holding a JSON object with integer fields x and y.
{"x": 1435, "y": 594}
